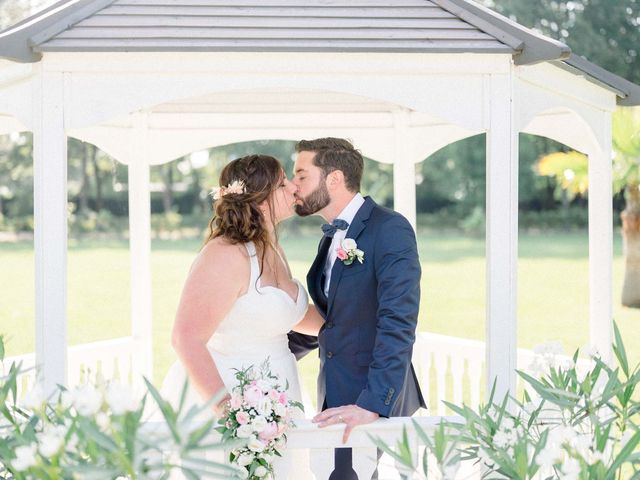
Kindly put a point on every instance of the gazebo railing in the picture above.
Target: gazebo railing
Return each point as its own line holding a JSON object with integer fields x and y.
{"x": 455, "y": 368}
{"x": 448, "y": 368}
{"x": 105, "y": 359}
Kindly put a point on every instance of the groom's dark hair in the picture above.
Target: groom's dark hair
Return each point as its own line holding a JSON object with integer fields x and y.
{"x": 336, "y": 154}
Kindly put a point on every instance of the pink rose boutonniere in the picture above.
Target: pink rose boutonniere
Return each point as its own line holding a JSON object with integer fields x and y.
{"x": 348, "y": 252}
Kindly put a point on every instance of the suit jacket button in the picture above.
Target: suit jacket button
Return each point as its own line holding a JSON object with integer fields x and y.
{"x": 329, "y": 324}
{"x": 329, "y": 354}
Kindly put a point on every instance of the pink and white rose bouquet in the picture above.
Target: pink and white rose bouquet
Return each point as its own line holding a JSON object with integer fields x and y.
{"x": 260, "y": 413}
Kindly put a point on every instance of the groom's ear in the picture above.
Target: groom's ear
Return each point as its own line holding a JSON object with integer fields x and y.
{"x": 335, "y": 179}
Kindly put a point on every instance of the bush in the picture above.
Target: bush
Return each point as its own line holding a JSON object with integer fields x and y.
{"x": 573, "y": 423}
{"x": 574, "y": 218}
{"x": 474, "y": 223}
{"x": 97, "y": 431}
{"x": 162, "y": 223}
{"x": 18, "y": 224}
{"x": 82, "y": 223}
{"x": 457, "y": 219}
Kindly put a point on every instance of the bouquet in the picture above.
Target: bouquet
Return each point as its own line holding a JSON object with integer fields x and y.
{"x": 259, "y": 412}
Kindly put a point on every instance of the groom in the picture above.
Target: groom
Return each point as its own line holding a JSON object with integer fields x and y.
{"x": 370, "y": 304}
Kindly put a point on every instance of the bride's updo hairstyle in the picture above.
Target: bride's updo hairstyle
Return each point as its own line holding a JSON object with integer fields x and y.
{"x": 245, "y": 183}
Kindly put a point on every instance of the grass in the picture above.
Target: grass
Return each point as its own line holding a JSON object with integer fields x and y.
{"x": 552, "y": 295}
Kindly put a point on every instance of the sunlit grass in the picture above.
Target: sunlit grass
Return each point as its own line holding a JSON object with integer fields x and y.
{"x": 552, "y": 294}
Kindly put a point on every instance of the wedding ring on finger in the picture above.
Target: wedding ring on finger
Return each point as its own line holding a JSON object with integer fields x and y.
{"x": 340, "y": 419}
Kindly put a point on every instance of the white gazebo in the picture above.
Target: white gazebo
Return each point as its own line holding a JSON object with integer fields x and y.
{"x": 148, "y": 81}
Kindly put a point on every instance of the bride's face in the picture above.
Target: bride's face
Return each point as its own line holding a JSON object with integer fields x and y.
{"x": 283, "y": 200}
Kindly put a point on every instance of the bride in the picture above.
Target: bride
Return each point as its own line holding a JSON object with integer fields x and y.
{"x": 239, "y": 300}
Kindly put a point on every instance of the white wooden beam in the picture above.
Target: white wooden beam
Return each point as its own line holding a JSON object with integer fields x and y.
{"x": 404, "y": 170}
{"x": 601, "y": 242}
{"x": 501, "y": 235}
{"x": 140, "y": 248}
{"x": 293, "y": 63}
{"x": 50, "y": 232}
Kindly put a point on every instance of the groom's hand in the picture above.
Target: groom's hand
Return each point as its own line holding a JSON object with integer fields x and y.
{"x": 350, "y": 415}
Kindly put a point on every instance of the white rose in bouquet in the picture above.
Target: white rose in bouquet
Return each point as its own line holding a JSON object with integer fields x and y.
{"x": 255, "y": 445}
{"x": 259, "y": 423}
{"x": 245, "y": 431}
{"x": 263, "y": 407}
{"x": 280, "y": 410}
{"x": 244, "y": 459}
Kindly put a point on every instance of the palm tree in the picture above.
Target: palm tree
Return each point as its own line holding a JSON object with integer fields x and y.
{"x": 570, "y": 171}
{"x": 626, "y": 142}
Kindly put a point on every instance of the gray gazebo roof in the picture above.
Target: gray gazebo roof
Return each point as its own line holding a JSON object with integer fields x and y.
{"x": 438, "y": 26}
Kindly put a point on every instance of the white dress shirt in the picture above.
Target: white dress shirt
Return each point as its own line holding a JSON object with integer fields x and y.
{"x": 348, "y": 214}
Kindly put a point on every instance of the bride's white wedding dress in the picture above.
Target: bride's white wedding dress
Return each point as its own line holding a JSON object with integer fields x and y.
{"x": 255, "y": 328}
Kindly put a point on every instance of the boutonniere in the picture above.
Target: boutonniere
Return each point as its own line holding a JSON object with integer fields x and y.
{"x": 348, "y": 251}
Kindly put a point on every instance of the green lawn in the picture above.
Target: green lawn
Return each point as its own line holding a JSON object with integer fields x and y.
{"x": 553, "y": 292}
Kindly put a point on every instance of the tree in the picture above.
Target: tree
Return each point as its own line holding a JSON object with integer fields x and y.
{"x": 166, "y": 171}
{"x": 570, "y": 171}
{"x": 13, "y": 11}
{"x": 16, "y": 175}
{"x": 607, "y": 32}
{"x": 626, "y": 179}
{"x": 626, "y": 141}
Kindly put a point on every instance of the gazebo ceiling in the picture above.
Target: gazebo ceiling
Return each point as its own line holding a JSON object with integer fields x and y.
{"x": 178, "y": 127}
{"x": 275, "y": 101}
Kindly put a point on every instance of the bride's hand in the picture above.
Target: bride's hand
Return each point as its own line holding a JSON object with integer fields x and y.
{"x": 221, "y": 408}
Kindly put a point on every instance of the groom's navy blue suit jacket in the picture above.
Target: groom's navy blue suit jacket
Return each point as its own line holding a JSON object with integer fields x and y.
{"x": 370, "y": 316}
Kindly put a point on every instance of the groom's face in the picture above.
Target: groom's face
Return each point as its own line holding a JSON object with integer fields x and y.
{"x": 312, "y": 195}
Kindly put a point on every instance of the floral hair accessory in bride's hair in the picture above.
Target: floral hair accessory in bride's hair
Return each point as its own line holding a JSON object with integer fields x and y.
{"x": 237, "y": 187}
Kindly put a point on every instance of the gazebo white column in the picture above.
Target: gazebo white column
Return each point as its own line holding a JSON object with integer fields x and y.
{"x": 601, "y": 242}
{"x": 404, "y": 170}
{"x": 501, "y": 235}
{"x": 140, "y": 248}
{"x": 50, "y": 232}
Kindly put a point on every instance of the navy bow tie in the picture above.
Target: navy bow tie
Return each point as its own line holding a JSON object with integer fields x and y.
{"x": 329, "y": 230}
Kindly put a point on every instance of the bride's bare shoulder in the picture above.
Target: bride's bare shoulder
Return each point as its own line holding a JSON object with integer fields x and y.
{"x": 219, "y": 253}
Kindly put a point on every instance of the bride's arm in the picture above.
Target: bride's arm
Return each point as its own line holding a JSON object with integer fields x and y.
{"x": 217, "y": 278}
{"x": 310, "y": 323}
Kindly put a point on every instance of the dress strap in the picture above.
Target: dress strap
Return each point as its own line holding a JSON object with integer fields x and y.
{"x": 284, "y": 262}
{"x": 255, "y": 266}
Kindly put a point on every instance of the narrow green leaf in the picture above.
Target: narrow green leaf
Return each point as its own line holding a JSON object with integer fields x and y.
{"x": 624, "y": 453}
{"x": 165, "y": 408}
{"x": 618, "y": 348}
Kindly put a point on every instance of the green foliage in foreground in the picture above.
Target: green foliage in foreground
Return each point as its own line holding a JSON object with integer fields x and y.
{"x": 576, "y": 422}
{"x": 101, "y": 432}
